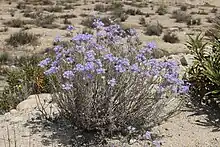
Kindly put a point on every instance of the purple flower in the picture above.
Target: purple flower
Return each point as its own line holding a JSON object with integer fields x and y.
{"x": 100, "y": 70}
{"x": 120, "y": 68}
{"x": 156, "y": 143}
{"x": 112, "y": 82}
{"x": 183, "y": 89}
{"x": 89, "y": 66}
{"x": 151, "y": 45}
{"x": 69, "y": 60}
{"x": 82, "y": 37}
{"x": 51, "y": 70}
{"x": 57, "y": 48}
{"x": 70, "y": 28}
{"x": 54, "y": 63}
{"x": 98, "y": 23}
{"x": 59, "y": 56}
{"x": 132, "y": 32}
{"x": 109, "y": 57}
{"x": 98, "y": 62}
{"x": 79, "y": 67}
{"x": 141, "y": 57}
{"x": 44, "y": 62}
{"x": 135, "y": 68}
{"x": 124, "y": 61}
{"x": 68, "y": 74}
{"x": 57, "y": 39}
{"x": 67, "y": 86}
{"x": 147, "y": 135}
{"x": 90, "y": 55}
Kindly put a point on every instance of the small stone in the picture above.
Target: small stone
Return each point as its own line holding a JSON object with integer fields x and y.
{"x": 132, "y": 141}
{"x": 13, "y": 111}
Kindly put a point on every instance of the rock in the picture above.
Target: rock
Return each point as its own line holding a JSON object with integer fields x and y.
{"x": 32, "y": 102}
{"x": 13, "y": 111}
{"x": 132, "y": 141}
{"x": 187, "y": 60}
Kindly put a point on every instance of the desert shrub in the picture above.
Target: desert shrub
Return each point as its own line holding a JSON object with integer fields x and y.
{"x": 214, "y": 10}
{"x": 66, "y": 21}
{"x": 116, "y": 5}
{"x": 123, "y": 17}
{"x": 170, "y": 37}
{"x": 23, "y": 81}
{"x": 134, "y": 12}
{"x": 194, "y": 21}
{"x": 108, "y": 83}
{"x": 55, "y": 8}
{"x": 17, "y": 23}
{"x": 131, "y": 12}
{"x": 101, "y": 8}
{"x": 21, "y": 5}
{"x": 4, "y": 29}
{"x": 183, "y": 7}
{"x": 204, "y": 75}
{"x": 142, "y": 21}
{"x": 162, "y": 10}
{"x": 139, "y": 12}
{"x": 69, "y": 7}
{"x": 153, "y": 29}
{"x": 87, "y": 31}
{"x": 22, "y": 38}
{"x": 45, "y": 20}
{"x": 68, "y": 16}
{"x": 181, "y": 16}
{"x": 4, "y": 57}
{"x": 88, "y": 22}
{"x": 214, "y": 30}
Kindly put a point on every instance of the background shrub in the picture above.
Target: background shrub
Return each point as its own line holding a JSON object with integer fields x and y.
{"x": 162, "y": 10}
{"x": 154, "y": 29}
{"x": 170, "y": 37}
{"x": 22, "y": 38}
{"x": 181, "y": 16}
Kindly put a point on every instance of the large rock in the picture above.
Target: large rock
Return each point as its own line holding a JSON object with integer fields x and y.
{"x": 32, "y": 102}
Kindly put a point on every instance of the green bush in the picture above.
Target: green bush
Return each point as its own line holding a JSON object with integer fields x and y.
{"x": 23, "y": 81}
{"x": 204, "y": 75}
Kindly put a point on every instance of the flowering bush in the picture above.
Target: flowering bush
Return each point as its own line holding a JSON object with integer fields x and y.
{"x": 108, "y": 82}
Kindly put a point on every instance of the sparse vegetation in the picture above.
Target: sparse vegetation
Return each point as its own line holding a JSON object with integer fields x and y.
{"x": 214, "y": 10}
{"x": 45, "y": 20}
{"x": 162, "y": 10}
{"x": 181, "y": 16}
{"x": 17, "y": 23}
{"x": 170, "y": 37}
{"x": 142, "y": 21}
{"x": 22, "y": 38}
{"x": 153, "y": 29}
{"x": 183, "y": 7}
{"x": 54, "y": 9}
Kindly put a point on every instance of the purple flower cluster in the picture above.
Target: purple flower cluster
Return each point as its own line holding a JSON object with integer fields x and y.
{"x": 105, "y": 54}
